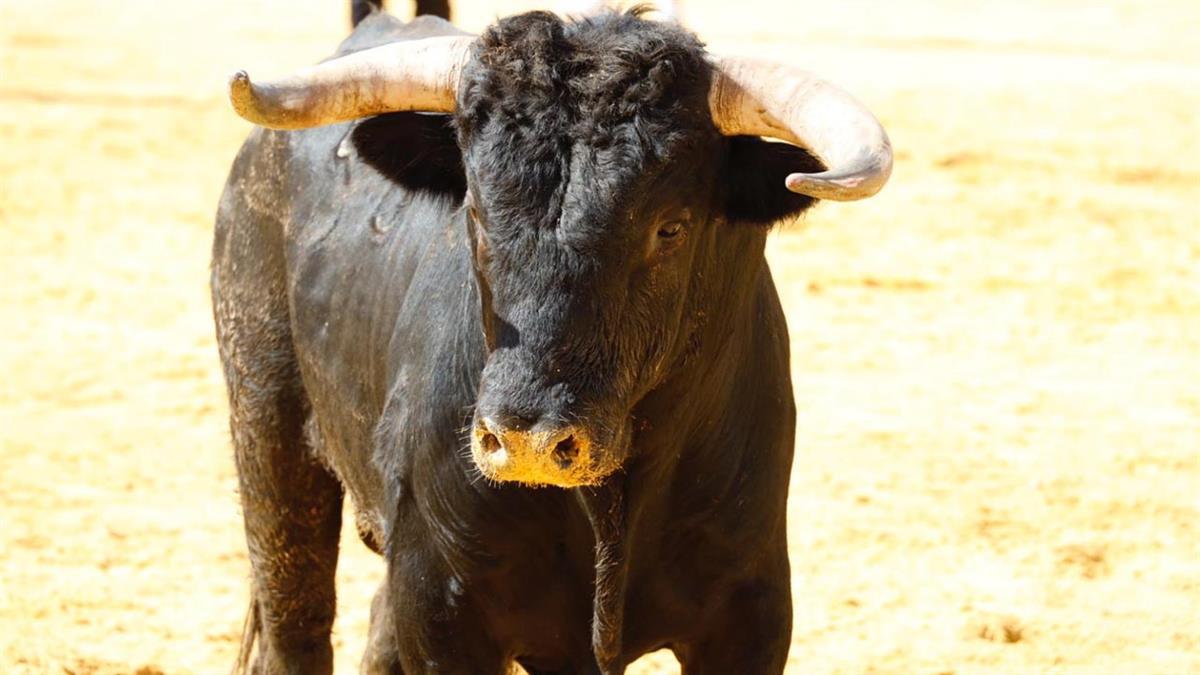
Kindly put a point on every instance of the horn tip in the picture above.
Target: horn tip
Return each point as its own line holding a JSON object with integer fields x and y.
{"x": 241, "y": 94}
{"x": 239, "y": 81}
{"x": 840, "y": 189}
{"x": 804, "y": 184}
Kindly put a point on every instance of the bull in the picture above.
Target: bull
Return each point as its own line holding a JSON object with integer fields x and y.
{"x": 509, "y": 294}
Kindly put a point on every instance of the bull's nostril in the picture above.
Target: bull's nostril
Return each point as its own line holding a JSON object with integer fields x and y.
{"x": 490, "y": 443}
{"x": 566, "y": 452}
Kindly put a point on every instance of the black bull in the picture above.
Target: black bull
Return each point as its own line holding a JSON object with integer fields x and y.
{"x": 587, "y": 254}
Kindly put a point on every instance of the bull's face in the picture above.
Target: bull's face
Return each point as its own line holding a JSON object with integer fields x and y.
{"x": 585, "y": 198}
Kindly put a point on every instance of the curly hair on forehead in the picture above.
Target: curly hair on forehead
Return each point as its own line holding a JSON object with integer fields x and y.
{"x": 585, "y": 77}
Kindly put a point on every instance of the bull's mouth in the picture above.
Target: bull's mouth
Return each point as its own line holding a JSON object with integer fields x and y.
{"x": 564, "y": 456}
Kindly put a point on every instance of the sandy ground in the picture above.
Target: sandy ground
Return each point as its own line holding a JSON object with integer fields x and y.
{"x": 998, "y": 464}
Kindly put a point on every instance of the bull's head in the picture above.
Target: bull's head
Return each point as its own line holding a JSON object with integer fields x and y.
{"x": 598, "y": 164}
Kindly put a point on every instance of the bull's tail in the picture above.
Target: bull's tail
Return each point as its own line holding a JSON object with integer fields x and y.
{"x": 250, "y": 630}
{"x": 361, "y": 9}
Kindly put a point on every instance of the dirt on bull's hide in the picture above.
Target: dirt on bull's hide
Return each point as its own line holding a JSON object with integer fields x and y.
{"x": 995, "y": 360}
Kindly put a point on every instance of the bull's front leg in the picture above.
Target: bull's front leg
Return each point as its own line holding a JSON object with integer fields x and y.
{"x": 383, "y": 650}
{"x": 425, "y": 609}
{"x": 426, "y": 643}
{"x": 751, "y": 635}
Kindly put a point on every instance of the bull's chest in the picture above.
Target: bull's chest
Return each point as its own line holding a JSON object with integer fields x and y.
{"x": 539, "y": 606}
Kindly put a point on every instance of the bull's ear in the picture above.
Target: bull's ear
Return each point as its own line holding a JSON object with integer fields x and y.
{"x": 416, "y": 150}
{"x": 755, "y": 171}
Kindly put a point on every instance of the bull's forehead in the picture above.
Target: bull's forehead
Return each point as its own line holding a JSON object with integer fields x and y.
{"x": 578, "y": 119}
{"x": 578, "y": 188}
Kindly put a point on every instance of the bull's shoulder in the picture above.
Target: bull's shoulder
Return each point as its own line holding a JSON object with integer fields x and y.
{"x": 255, "y": 188}
{"x": 382, "y": 28}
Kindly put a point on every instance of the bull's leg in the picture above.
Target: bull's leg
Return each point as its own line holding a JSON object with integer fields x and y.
{"x": 383, "y": 654}
{"x": 421, "y": 618}
{"x": 441, "y": 632}
{"x": 438, "y": 628}
{"x": 291, "y": 505}
{"x": 292, "y": 511}
{"x": 752, "y": 636}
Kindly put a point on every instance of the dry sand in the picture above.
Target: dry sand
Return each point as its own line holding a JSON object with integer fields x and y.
{"x": 996, "y": 360}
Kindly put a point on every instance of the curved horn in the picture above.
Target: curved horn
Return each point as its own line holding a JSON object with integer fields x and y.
{"x": 415, "y": 75}
{"x": 759, "y": 98}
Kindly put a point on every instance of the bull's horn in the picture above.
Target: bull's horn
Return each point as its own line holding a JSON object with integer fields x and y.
{"x": 759, "y": 98}
{"x": 415, "y": 75}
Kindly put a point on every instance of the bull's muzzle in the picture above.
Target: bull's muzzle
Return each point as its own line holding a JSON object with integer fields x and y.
{"x": 561, "y": 455}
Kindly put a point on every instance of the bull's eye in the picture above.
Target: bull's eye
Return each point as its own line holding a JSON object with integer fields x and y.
{"x": 670, "y": 230}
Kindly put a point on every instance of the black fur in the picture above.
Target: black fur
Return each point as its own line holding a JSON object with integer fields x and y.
{"x": 375, "y": 307}
{"x": 754, "y": 174}
{"x": 418, "y": 151}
